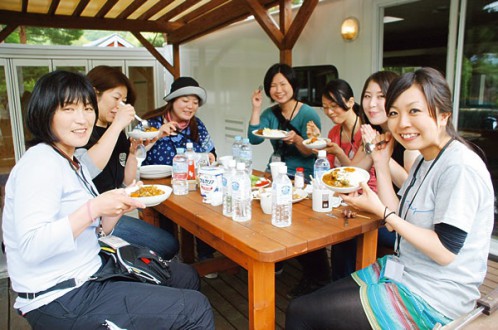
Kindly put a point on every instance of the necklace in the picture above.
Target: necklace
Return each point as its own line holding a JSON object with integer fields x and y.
{"x": 292, "y": 113}
{"x": 351, "y": 139}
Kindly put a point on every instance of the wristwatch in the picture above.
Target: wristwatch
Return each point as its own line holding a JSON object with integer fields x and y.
{"x": 369, "y": 148}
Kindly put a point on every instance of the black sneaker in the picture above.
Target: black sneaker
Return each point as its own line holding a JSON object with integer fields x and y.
{"x": 304, "y": 286}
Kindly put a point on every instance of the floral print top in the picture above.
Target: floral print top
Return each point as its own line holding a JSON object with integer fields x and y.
{"x": 164, "y": 149}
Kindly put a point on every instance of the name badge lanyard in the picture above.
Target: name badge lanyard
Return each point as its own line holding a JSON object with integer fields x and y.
{"x": 410, "y": 186}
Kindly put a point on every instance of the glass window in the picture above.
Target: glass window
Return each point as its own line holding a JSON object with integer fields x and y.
{"x": 142, "y": 78}
{"x": 27, "y": 76}
{"x": 478, "y": 114}
{"x": 7, "y": 155}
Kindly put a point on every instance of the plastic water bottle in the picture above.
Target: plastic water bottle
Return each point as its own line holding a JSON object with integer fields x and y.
{"x": 180, "y": 172}
{"x": 241, "y": 195}
{"x": 321, "y": 166}
{"x": 227, "y": 188}
{"x": 236, "y": 147}
{"x": 281, "y": 209}
{"x": 246, "y": 154}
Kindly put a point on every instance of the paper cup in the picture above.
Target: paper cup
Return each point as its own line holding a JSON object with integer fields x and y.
{"x": 322, "y": 200}
{"x": 274, "y": 166}
{"x": 265, "y": 199}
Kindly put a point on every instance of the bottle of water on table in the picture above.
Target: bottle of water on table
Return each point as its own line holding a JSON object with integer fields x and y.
{"x": 321, "y": 166}
{"x": 241, "y": 195}
{"x": 246, "y": 154}
{"x": 180, "y": 172}
{"x": 281, "y": 210}
{"x": 237, "y": 143}
{"x": 228, "y": 177}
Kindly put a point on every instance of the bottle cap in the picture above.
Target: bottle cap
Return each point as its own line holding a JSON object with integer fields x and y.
{"x": 322, "y": 153}
{"x": 190, "y": 145}
{"x": 238, "y": 138}
{"x": 300, "y": 169}
{"x": 245, "y": 140}
{"x": 180, "y": 150}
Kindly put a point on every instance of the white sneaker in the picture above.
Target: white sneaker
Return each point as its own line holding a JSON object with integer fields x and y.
{"x": 211, "y": 275}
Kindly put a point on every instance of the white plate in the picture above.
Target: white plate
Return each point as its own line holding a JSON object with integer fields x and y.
{"x": 267, "y": 182}
{"x": 297, "y": 194}
{"x": 139, "y": 134}
{"x": 155, "y": 200}
{"x": 320, "y": 143}
{"x": 276, "y": 134}
{"x": 354, "y": 174}
{"x": 155, "y": 171}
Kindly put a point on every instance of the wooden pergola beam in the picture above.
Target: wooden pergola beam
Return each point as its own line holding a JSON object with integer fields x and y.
{"x": 6, "y": 31}
{"x": 159, "y": 57}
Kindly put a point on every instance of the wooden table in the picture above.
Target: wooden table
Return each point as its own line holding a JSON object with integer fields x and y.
{"x": 257, "y": 245}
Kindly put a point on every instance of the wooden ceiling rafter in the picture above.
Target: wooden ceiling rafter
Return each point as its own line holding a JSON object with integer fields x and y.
{"x": 179, "y": 22}
{"x": 80, "y": 7}
{"x": 53, "y": 7}
{"x": 106, "y": 8}
{"x": 155, "y": 9}
{"x": 178, "y": 10}
{"x": 132, "y": 7}
{"x": 204, "y": 9}
{"x": 285, "y": 35}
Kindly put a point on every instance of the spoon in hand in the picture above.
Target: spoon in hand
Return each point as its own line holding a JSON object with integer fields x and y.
{"x": 144, "y": 122}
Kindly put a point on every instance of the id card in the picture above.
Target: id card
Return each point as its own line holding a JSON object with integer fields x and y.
{"x": 113, "y": 241}
{"x": 394, "y": 270}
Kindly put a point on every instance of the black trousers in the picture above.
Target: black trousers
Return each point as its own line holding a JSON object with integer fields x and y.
{"x": 130, "y": 305}
{"x": 335, "y": 306}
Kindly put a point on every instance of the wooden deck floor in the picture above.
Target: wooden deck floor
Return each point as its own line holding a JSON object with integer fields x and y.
{"x": 228, "y": 297}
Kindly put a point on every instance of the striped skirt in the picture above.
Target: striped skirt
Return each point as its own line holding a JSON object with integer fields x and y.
{"x": 391, "y": 305}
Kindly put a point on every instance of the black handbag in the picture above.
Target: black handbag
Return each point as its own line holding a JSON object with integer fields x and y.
{"x": 133, "y": 262}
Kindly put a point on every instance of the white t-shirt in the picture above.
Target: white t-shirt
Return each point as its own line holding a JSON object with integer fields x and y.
{"x": 42, "y": 190}
{"x": 456, "y": 191}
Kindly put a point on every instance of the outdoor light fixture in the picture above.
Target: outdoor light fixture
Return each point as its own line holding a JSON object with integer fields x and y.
{"x": 350, "y": 28}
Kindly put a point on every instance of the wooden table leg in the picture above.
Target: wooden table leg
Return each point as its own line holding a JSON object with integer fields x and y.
{"x": 366, "y": 250}
{"x": 187, "y": 246}
{"x": 261, "y": 287}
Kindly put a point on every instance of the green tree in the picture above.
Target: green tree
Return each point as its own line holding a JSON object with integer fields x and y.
{"x": 46, "y": 36}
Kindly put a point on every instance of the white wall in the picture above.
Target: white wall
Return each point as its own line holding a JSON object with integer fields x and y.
{"x": 231, "y": 63}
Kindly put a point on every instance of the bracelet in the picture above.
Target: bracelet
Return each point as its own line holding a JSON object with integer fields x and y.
{"x": 89, "y": 211}
{"x": 386, "y": 216}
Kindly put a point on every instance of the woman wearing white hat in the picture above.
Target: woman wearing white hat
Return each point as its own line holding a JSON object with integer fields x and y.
{"x": 178, "y": 124}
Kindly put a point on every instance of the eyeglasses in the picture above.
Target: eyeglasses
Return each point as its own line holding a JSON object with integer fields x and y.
{"x": 329, "y": 108}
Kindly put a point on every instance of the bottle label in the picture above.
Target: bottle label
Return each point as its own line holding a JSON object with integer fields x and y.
{"x": 284, "y": 195}
{"x": 191, "y": 169}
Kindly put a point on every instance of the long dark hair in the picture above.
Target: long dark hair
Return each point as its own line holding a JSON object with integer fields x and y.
{"x": 384, "y": 80}
{"x": 289, "y": 74}
{"x": 437, "y": 94}
{"x": 51, "y": 91}
{"x": 339, "y": 91}
{"x": 168, "y": 108}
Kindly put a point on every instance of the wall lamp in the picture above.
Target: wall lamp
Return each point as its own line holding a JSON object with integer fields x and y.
{"x": 350, "y": 28}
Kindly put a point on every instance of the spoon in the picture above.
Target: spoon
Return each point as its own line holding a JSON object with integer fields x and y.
{"x": 144, "y": 122}
{"x": 140, "y": 154}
